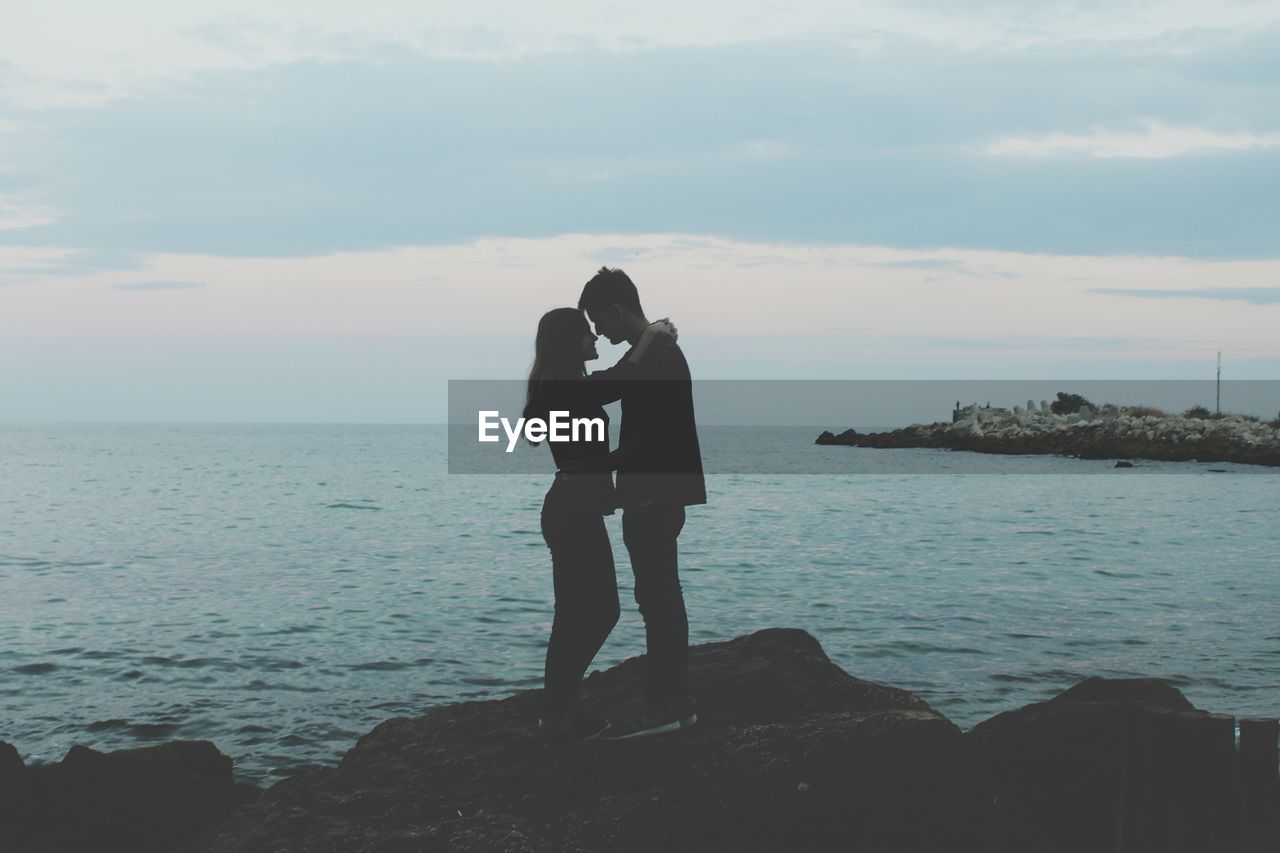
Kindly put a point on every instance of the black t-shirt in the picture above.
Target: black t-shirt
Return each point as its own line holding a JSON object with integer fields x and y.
{"x": 580, "y": 399}
{"x": 658, "y": 443}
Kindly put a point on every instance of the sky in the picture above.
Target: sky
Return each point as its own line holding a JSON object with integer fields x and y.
{"x": 322, "y": 211}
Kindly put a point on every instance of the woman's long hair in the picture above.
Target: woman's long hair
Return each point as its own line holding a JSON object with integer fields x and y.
{"x": 557, "y": 350}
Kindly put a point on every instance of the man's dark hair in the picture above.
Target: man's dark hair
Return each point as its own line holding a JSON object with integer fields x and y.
{"x": 610, "y": 287}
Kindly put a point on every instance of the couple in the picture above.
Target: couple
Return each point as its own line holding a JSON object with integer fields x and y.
{"x": 659, "y": 469}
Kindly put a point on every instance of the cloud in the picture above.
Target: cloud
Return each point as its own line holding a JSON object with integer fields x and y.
{"x": 158, "y": 285}
{"x": 1037, "y": 343}
{"x": 367, "y": 325}
{"x": 77, "y": 263}
{"x": 15, "y": 216}
{"x": 1157, "y": 140}
{"x": 924, "y": 264}
{"x": 781, "y": 140}
{"x": 1253, "y": 295}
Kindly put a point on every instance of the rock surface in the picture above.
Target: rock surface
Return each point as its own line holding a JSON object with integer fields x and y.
{"x": 1073, "y": 772}
{"x": 137, "y": 800}
{"x": 791, "y": 753}
{"x": 1112, "y": 432}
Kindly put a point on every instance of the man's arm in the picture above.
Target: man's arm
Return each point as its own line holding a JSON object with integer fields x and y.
{"x": 604, "y": 385}
{"x": 663, "y": 363}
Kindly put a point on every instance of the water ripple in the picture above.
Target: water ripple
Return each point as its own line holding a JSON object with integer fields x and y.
{"x": 284, "y": 628}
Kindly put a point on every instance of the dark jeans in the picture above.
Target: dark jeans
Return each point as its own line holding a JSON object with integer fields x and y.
{"x": 586, "y": 594}
{"x": 650, "y": 535}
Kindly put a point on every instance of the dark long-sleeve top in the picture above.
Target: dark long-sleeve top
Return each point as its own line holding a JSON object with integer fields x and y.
{"x": 659, "y": 458}
{"x": 581, "y": 399}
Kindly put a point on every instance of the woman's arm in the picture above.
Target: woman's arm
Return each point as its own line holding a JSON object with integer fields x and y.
{"x": 657, "y": 329}
{"x": 604, "y": 385}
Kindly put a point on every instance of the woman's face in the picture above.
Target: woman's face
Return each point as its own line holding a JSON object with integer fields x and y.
{"x": 589, "y": 346}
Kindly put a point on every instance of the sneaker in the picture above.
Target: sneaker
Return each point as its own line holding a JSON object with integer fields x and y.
{"x": 672, "y": 716}
{"x": 570, "y": 728}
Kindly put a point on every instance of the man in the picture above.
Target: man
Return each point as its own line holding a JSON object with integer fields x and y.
{"x": 659, "y": 467}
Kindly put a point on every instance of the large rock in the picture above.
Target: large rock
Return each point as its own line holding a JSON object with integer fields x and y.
{"x": 152, "y": 799}
{"x": 1112, "y": 764}
{"x": 15, "y": 800}
{"x": 848, "y": 438}
{"x": 791, "y": 753}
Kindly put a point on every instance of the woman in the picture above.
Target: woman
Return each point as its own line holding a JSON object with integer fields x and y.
{"x": 573, "y": 511}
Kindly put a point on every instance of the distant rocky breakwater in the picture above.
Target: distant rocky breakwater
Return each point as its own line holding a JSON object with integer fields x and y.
{"x": 1105, "y": 432}
{"x": 791, "y": 753}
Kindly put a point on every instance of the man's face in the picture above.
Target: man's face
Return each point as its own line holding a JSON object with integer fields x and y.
{"x": 608, "y": 322}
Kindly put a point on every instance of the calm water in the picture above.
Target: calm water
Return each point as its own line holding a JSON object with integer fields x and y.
{"x": 281, "y": 589}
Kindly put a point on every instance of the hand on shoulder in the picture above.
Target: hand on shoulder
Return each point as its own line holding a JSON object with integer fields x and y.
{"x": 664, "y": 328}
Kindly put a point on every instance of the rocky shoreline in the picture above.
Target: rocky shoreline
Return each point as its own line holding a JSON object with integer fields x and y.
{"x": 792, "y": 753}
{"x": 1107, "y": 432}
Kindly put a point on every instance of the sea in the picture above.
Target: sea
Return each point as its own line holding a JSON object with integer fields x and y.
{"x": 282, "y": 589}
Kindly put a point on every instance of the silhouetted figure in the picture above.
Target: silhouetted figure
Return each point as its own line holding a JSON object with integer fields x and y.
{"x": 586, "y": 589}
{"x": 659, "y": 467}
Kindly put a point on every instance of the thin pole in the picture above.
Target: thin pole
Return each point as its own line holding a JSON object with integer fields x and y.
{"x": 1218, "y": 406}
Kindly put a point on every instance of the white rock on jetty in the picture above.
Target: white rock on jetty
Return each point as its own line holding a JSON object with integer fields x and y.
{"x": 1108, "y": 431}
{"x": 1118, "y": 422}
